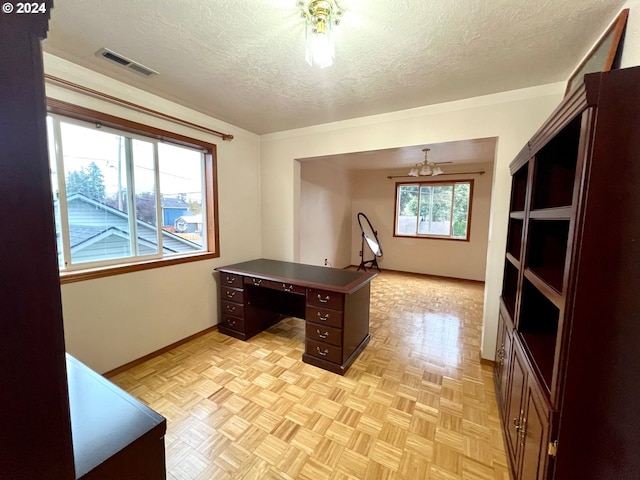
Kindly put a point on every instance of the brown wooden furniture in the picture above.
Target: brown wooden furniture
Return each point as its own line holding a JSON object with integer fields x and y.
{"x": 114, "y": 435}
{"x": 335, "y": 304}
{"x": 60, "y": 420}
{"x": 568, "y": 339}
{"x": 36, "y": 432}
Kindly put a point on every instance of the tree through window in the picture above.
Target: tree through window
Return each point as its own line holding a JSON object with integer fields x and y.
{"x": 119, "y": 196}
{"x": 433, "y": 209}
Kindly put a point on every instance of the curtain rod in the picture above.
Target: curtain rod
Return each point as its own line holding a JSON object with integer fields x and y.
{"x": 133, "y": 106}
{"x": 481, "y": 172}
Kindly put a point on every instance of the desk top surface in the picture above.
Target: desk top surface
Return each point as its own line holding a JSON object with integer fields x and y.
{"x": 311, "y": 276}
{"x": 104, "y": 418}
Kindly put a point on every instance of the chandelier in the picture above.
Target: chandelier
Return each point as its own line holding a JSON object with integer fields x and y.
{"x": 320, "y": 18}
{"x": 425, "y": 168}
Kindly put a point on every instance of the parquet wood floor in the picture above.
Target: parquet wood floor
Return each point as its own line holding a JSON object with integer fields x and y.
{"x": 417, "y": 404}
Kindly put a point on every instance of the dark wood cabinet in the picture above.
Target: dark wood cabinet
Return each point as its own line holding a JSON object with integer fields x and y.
{"x": 567, "y": 347}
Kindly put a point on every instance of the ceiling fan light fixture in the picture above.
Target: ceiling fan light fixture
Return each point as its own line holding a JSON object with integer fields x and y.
{"x": 320, "y": 18}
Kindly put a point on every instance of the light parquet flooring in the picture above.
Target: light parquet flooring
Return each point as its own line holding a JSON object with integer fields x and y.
{"x": 417, "y": 403}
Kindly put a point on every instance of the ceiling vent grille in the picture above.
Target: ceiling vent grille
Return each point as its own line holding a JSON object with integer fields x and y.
{"x": 126, "y": 62}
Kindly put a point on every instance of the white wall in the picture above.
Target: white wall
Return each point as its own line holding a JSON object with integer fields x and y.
{"x": 374, "y": 194}
{"x": 631, "y": 52}
{"x": 512, "y": 117}
{"x": 114, "y": 320}
{"x": 325, "y": 214}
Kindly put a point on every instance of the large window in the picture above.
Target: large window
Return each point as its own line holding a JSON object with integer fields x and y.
{"x": 124, "y": 198}
{"x": 433, "y": 209}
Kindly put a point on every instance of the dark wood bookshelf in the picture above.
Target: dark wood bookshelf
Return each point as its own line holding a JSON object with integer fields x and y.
{"x": 567, "y": 335}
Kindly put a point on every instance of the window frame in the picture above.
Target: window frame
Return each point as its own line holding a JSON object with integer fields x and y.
{"x": 75, "y": 112}
{"x": 434, "y": 183}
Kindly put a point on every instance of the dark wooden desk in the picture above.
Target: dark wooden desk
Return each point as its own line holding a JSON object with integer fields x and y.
{"x": 335, "y": 304}
{"x": 114, "y": 435}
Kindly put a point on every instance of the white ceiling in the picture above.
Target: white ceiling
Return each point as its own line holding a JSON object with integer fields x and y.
{"x": 242, "y": 61}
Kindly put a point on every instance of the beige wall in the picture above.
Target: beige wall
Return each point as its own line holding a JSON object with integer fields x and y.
{"x": 512, "y": 117}
{"x": 325, "y": 214}
{"x": 111, "y": 321}
{"x": 374, "y": 194}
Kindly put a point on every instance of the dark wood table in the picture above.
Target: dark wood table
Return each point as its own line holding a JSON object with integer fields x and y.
{"x": 114, "y": 435}
{"x": 333, "y": 302}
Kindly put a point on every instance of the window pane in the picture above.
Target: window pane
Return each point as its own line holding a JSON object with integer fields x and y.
{"x": 182, "y": 194}
{"x": 407, "y": 210}
{"x": 145, "y": 196}
{"x": 94, "y": 167}
{"x": 461, "y": 210}
{"x": 53, "y": 168}
{"x": 440, "y": 218}
{"x": 425, "y": 209}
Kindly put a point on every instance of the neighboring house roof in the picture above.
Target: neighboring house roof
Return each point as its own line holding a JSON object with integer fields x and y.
{"x": 172, "y": 202}
{"x": 86, "y": 228}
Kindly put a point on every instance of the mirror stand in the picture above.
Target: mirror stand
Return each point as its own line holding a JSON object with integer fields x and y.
{"x": 371, "y": 237}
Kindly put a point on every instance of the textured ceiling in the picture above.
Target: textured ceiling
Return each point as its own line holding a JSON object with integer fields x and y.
{"x": 242, "y": 61}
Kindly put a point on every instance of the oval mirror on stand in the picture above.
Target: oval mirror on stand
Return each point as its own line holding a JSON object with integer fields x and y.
{"x": 370, "y": 237}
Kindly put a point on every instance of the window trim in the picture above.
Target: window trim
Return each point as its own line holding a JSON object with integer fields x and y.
{"x": 58, "y": 107}
{"x": 427, "y": 236}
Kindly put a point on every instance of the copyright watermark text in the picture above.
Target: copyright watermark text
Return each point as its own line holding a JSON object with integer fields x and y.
{"x": 24, "y": 8}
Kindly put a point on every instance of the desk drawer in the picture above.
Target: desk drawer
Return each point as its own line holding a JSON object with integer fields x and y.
{"x": 323, "y": 351}
{"x": 234, "y": 323}
{"x": 231, "y": 294}
{"x": 325, "y": 299}
{"x": 322, "y": 333}
{"x": 230, "y": 308}
{"x": 323, "y": 316}
{"x": 230, "y": 280}
{"x": 283, "y": 287}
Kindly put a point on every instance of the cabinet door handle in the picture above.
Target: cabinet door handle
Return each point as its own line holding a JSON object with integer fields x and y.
{"x": 257, "y": 281}
{"x": 516, "y": 423}
{"x": 322, "y": 352}
{"x": 287, "y": 289}
{"x": 230, "y": 280}
{"x": 231, "y": 322}
{"x": 523, "y": 431}
{"x": 230, "y": 294}
{"x": 324, "y": 317}
{"x": 322, "y": 335}
{"x": 231, "y": 308}
{"x": 323, "y": 300}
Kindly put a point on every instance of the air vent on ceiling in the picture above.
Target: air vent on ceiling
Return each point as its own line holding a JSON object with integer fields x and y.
{"x": 125, "y": 62}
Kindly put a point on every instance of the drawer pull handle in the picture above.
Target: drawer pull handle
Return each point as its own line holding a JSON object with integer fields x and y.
{"x": 287, "y": 289}
{"x": 231, "y": 308}
{"x": 322, "y": 352}
{"x": 257, "y": 281}
{"x": 230, "y": 280}
{"x": 324, "y": 317}
{"x": 322, "y": 335}
{"x": 231, "y": 322}
{"x": 323, "y": 300}
{"x": 231, "y": 294}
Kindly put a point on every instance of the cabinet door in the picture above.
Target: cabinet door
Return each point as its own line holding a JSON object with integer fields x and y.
{"x": 503, "y": 362}
{"x": 534, "y": 433}
{"x": 515, "y": 412}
